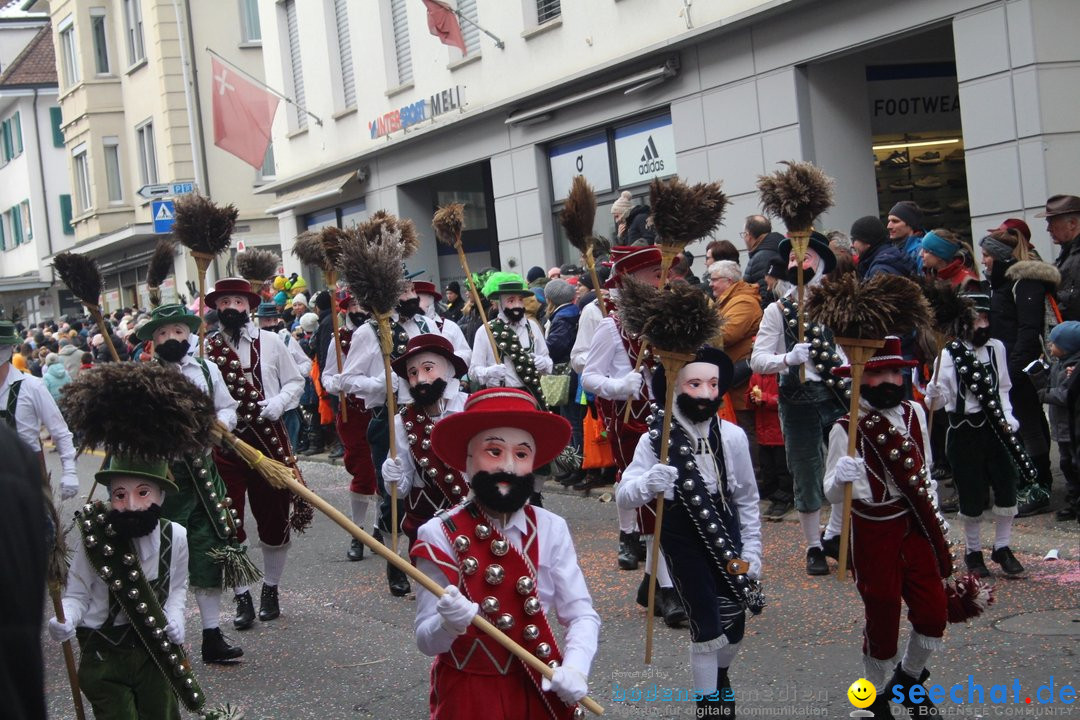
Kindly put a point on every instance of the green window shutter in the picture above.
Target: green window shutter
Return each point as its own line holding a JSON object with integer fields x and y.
{"x": 18, "y": 135}
{"x": 65, "y": 214}
{"x": 5, "y": 130}
{"x": 3, "y": 241}
{"x": 16, "y": 226}
{"x": 57, "y": 118}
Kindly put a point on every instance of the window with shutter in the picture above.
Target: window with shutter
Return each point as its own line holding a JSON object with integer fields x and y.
{"x": 65, "y": 215}
{"x": 348, "y": 75}
{"x": 16, "y": 226}
{"x": 28, "y": 228}
{"x": 3, "y": 235}
{"x": 547, "y": 10}
{"x": 400, "y": 20}
{"x": 469, "y": 30}
{"x": 16, "y": 129}
{"x": 294, "y": 62}
{"x": 56, "y": 117}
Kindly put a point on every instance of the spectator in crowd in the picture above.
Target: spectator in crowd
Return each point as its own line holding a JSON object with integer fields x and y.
{"x": 86, "y": 361}
{"x": 941, "y": 259}
{"x": 762, "y": 245}
{"x": 774, "y": 479}
{"x": 71, "y": 357}
{"x": 1062, "y": 215}
{"x": 454, "y": 303}
{"x": 55, "y": 375}
{"x": 563, "y": 316}
{"x": 876, "y": 255}
{"x": 906, "y": 227}
{"x": 775, "y": 281}
{"x": 619, "y": 209}
{"x": 1065, "y": 350}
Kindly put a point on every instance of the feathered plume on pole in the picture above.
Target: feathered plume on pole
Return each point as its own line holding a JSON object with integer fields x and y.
{"x": 577, "y": 218}
{"x": 449, "y": 223}
{"x": 954, "y": 317}
{"x": 308, "y": 249}
{"x": 331, "y": 240}
{"x": 257, "y": 266}
{"x": 205, "y": 229}
{"x": 83, "y": 278}
{"x": 161, "y": 264}
{"x": 860, "y": 315}
{"x": 683, "y": 213}
{"x": 675, "y": 323}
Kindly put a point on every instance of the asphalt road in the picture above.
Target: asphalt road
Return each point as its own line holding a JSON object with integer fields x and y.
{"x": 343, "y": 648}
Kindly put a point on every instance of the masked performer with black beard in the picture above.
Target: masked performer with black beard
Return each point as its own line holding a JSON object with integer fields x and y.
{"x": 212, "y": 541}
{"x": 898, "y": 545}
{"x": 711, "y": 533}
{"x": 262, "y": 376}
{"x": 508, "y": 560}
{"x": 432, "y": 369}
{"x": 972, "y": 383}
{"x": 809, "y": 407}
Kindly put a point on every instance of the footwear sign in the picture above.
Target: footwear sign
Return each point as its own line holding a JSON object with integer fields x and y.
{"x": 913, "y": 98}
{"x": 645, "y": 150}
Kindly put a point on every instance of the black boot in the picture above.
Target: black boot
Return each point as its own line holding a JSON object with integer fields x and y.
{"x": 315, "y": 442}
{"x": 880, "y": 707}
{"x": 268, "y": 603}
{"x": 245, "y": 612}
{"x": 642, "y": 598}
{"x": 216, "y": 649}
{"x": 628, "y": 559}
{"x": 669, "y": 606}
{"x": 727, "y": 697}
{"x": 356, "y": 550}
{"x": 975, "y": 564}
{"x": 398, "y": 581}
{"x": 906, "y": 682}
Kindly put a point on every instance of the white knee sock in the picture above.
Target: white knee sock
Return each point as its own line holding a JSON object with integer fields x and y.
{"x": 874, "y": 671}
{"x": 242, "y": 590}
{"x": 919, "y": 648}
{"x": 274, "y": 563}
{"x": 358, "y": 506}
{"x": 703, "y": 666}
{"x": 726, "y": 655}
{"x": 209, "y": 600}
{"x": 627, "y": 521}
{"x": 972, "y": 528}
{"x": 1002, "y": 530}
{"x": 836, "y": 521}
{"x": 811, "y": 527}
{"x": 663, "y": 576}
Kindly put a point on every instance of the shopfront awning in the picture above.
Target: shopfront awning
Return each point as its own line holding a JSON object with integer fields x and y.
{"x": 22, "y": 283}
{"x": 315, "y": 192}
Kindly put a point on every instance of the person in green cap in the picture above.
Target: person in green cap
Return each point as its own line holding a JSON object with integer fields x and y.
{"x": 26, "y": 405}
{"x": 117, "y": 672}
{"x": 216, "y": 559}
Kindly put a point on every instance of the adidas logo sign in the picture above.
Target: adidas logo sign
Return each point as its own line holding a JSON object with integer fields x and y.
{"x": 650, "y": 159}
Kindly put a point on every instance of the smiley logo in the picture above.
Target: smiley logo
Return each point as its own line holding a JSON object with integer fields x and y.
{"x": 862, "y": 693}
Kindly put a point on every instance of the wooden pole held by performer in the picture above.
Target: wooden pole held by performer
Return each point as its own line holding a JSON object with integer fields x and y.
{"x": 202, "y": 262}
{"x": 69, "y": 654}
{"x": 386, "y": 342}
{"x": 800, "y": 241}
{"x": 477, "y": 301}
{"x": 335, "y": 321}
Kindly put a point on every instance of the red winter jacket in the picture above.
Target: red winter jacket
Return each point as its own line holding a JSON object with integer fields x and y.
{"x": 766, "y": 414}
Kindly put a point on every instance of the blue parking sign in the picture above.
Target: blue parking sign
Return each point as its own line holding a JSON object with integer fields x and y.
{"x": 164, "y": 215}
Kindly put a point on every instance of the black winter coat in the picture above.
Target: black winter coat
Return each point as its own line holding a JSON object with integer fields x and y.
{"x": 758, "y": 262}
{"x": 1068, "y": 292}
{"x": 1018, "y": 308}
{"x": 885, "y": 258}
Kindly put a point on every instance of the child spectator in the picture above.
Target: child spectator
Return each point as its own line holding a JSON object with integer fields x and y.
{"x": 1065, "y": 349}
{"x": 762, "y": 394}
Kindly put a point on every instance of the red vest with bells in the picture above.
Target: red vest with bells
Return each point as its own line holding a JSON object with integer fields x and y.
{"x": 443, "y": 485}
{"x": 346, "y": 334}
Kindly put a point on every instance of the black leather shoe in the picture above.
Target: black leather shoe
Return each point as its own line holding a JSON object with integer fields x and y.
{"x": 1008, "y": 562}
{"x": 245, "y": 612}
{"x": 642, "y": 598}
{"x": 831, "y": 547}
{"x": 919, "y": 708}
{"x": 628, "y": 559}
{"x": 975, "y": 564}
{"x": 1066, "y": 513}
{"x": 216, "y": 649}
{"x": 777, "y": 510}
{"x": 880, "y": 706}
{"x": 398, "y": 581}
{"x": 1036, "y": 506}
{"x": 669, "y": 606}
{"x": 356, "y": 550}
{"x": 337, "y": 452}
{"x": 816, "y": 564}
{"x": 268, "y": 603}
{"x": 313, "y": 450}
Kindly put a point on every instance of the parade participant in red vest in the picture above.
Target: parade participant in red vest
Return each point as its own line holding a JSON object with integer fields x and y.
{"x": 428, "y": 485}
{"x": 508, "y": 560}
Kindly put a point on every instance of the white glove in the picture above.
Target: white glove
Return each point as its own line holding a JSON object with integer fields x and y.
{"x": 542, "y": 364}
{"x": 61, "y": 631}
{"x": 754, "y": 573}
{"x": 849, "y": 470}
{"x": 495, "y": 375}
{"x": 174, "y": 630}
{"x": 393, "y": 473}
{"x": 569, "y": 683}
{"x": 1014, "y": 424}
{"x": 330, "y": 383}
{"x": 798, "y": 354}
{"x": 661, "y": 479}
{"x": 395, "y": 383}
{"x": 271, "y": 409}
{"x": 457, "y": 611}
{"x": 932, "y": 391}
{"x": 69, "y": 486}
{"x": 630, "y": 384}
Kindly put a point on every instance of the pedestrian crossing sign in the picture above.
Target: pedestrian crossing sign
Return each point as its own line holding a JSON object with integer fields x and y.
{"x": 163, "y": 212}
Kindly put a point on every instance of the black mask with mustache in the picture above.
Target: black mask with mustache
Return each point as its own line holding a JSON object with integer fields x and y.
{"x": 485, "y": 486}
{"x": 358, "y": 318}
{"x": 232, "y": 318}
{"x": 427, "y": 394}
{"x": 883, "y": 395}
{"x": 172, "y": 350}
{"x": 980, "y": 336}
{"x": 131, "y": 524}
{"x": 698, "y": 409}
{"x": 793, "y": 275}
{"x": 408, "y": 308}
{"x": 514, "y": 315}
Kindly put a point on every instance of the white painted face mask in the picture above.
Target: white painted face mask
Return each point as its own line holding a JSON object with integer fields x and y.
{"x": 6, "y": 351}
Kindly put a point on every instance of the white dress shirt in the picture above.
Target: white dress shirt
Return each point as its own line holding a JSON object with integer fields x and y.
{"x": 770, "y": 346}
{"x": 281, "y": 379}
{"x": 560, "y": 585}
{"x": 587, "y": 323}
{"x": 451, "y": 331}
{"x": 225, "y": 405}
{"x": 303, "y": 362}
{"x": 943, "y": 386}
{"x": 35, "y": 408}
{"x": 453, "y": 402}
{"x": 529, "y": 335}
{"x": 608, "y": 362}
{"x": 328, "y": 376}
{"x": 631, "y": 491}
{"x": 86, "y": 599}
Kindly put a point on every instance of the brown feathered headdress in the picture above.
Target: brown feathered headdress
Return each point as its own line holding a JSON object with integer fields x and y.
{"x": 203, "y": 226}
{"x": 796, "y": 195}
{"x": 81, "y": 276}
{"x": 883, "y": 305}
{"x": 683, "y": 213}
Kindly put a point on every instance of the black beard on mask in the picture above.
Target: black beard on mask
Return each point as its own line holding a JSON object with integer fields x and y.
{"x": 172, "y": 350}
{"x": 514, "y": 315}
{"x": 485, "y": 486}
{"x": 698, "y": 409}
{"x": 408, "y": 308}
{"x": 232, "y": 318}
{"x": 131, "y": 524}
{"x": 884, "y": 395}
{"x": 427, "y": 394}
{"x": 793, "y": 275}
{"x": 980, "y": 336}
{"x": 357, "y": 318}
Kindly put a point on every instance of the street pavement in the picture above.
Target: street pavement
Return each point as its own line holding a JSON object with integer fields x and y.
{"x": 343, "y": 648}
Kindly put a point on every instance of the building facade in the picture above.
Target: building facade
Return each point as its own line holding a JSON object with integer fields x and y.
{"x": 961, "y": 105}
{"x": 33, "y": 170}
{"x": 135, "y": 95}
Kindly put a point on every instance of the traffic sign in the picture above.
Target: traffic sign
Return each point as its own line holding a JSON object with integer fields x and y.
{"x": 181, "y": 188}
{"x": 154, "y": 191}
{"x": 164, "y": 215}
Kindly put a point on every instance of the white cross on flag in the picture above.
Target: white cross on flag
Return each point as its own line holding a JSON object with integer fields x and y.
{"x": 243, "y": 115}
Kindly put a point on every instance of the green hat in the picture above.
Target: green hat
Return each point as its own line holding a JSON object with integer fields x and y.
{"x": 511, "y": 287}
{"x": 8, "y": 334}
{"x": 167, "y": 315}
{"x": 156, "y": 471}
{"x": 267, "y": 310}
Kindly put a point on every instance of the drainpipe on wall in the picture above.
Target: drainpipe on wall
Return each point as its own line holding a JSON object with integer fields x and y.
{"x": 44, "y": 196}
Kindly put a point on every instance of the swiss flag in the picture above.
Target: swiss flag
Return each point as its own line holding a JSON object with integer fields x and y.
{"x": 243, "y": 115}
{"x": 443, "y": 24}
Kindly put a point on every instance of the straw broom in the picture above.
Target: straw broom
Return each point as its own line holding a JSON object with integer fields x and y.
{"x": 257, "y": 266}
{"x": 861, "y": 314}
{"x": 577, "y": 218}
{"x": 161, "y": 264}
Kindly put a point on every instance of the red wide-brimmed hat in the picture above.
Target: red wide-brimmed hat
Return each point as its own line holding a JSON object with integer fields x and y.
{"x": 232, "y": 286}
{"x": 428, "y": 342}
{"x": 628, "y": 259}
{"x": 426, "y": 288}
{"x": 499, "y": 407}
{"x": 887, "y": 358}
